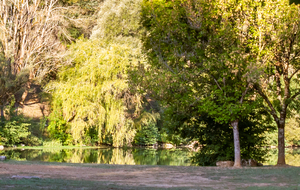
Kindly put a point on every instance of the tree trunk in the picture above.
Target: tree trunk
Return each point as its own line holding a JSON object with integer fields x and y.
{"x": 281, "y": 144}
{"x": 24, "y": 95}
{"x": 237, "y": 148}
{"x": 2, "y": 112}
{"x": 27, "y": 87}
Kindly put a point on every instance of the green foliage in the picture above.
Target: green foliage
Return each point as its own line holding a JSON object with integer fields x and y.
{"x": 148, "y": 135}
{"x": 91, "y": 137}
{"x": 272, "y": 137}
{"x": 213, "y": 57}
{"x": 14, "y": 128}
{"x": 94, "y": 91}
{"x": 217, "y": 139}
{"x": 147, "y": 125}
{"x": 13, "y": 132}
{"x": 198, "y": 58}
{"x": 185, "y": 39}
{"x": 292, "y": 132}
{"x": 118, "y": 18}
{"x": 58, "y": 128}
{"x": 294, "y": 1}
{"x": 52, "y": 143}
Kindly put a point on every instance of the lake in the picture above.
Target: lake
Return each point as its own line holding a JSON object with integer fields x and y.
{"x": 130, "y": 156}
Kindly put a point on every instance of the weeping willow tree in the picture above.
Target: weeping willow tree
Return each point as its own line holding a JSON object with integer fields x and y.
{"x": 118, "y": 18}
{"x": 94, "y": 91}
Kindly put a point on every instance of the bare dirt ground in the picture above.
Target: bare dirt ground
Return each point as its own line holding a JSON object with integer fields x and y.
{"x": 33, "y": 106}
{"x": 159, "y": 177}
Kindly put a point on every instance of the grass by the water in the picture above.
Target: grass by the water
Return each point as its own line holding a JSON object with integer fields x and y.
{"x": 147, "y": 177}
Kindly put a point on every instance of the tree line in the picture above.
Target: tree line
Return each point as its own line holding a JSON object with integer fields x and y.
{"x": 222, "y": 72}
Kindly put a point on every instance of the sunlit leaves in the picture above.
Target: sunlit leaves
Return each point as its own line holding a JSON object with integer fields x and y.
{"x": 92, "y": 89}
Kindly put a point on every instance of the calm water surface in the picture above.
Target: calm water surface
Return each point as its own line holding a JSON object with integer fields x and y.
{"x": 131, "y": 156}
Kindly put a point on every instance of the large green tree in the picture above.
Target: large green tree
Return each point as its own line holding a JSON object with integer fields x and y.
{"x": 199, "y": 49}
{"x": 94, "y": 91}
{"x": 29, "y": 40}
{"x": 236, "y": 46}
{"x": 278, "y": 39}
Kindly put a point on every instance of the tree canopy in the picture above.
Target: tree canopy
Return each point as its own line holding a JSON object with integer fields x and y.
{"x": 94, "y": 91}
{"x": 221, "y": 55}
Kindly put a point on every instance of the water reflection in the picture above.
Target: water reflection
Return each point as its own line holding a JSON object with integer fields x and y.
{"x": 175, "y": 157}
{"x": 131, "y": 156}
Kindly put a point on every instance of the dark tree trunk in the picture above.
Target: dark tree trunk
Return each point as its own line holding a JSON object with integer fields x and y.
{"x": 237, "y": 148}
{"x": 281, "y": 144}
{"x": 25, "y": 93}
{"x": 280, "y": 121}
{"x": 2, "y": 112}
{"x": 27, "y": 87}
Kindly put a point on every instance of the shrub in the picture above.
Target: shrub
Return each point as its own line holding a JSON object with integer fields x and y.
{"x": 13, "y": 132}
{"x": 217, "y": 140}
{"x": 53, "y": 143}
{"x": 148, "y": 135}
{"x": 14, "y": 128}
{"x": 58, "y": 130}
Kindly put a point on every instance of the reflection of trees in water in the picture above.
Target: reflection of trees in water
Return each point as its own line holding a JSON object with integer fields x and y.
{"x": 10, "y": 154}
{"x": 132, "y": 156}
{"x": 292, "y": 157}
{"x": 77, "y": 156}
{"x": 129, "y": 156}
{"x": 175, "y": 157}
{"x": 53, "y": 155}
{"x": 121, "y": 156}
{"x": 145, "y": 156}
{"x": 104, "y": 155}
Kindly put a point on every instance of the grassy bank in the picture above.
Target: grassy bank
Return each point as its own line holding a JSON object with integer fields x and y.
{"x": 104, "y": 176}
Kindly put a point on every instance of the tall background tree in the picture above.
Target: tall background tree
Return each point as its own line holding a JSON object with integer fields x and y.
{"x": 277, "y": 35}
{"x": 201, "y": 53}
{"x": 93, "y": 92}
{"x": 10, "y": 83}
{"x": 29, "y": 36}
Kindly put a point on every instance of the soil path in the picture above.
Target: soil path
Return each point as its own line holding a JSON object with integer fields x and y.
{"x": 134, "y": 176}
{"x": 123, "y": 175}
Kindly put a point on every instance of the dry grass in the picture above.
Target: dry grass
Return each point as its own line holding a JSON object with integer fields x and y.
{"x": 102, "y": 176}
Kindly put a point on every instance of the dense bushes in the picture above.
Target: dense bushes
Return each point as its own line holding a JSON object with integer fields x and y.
{"x": 216, "y": 139}
{"x": 13, "y": 128}
{"x": 13, "y": 131}
{"x": 148, "y": 133}
{"x": 59, "y": 129}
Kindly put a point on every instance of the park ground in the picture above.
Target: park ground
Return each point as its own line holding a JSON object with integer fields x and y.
{"x": 44, "y": 175}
